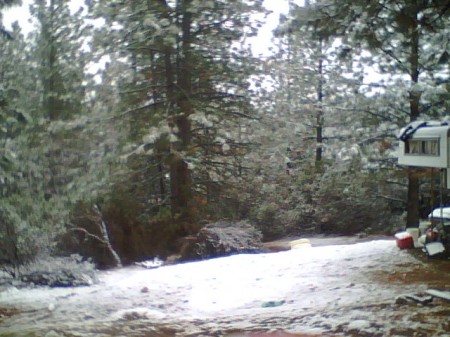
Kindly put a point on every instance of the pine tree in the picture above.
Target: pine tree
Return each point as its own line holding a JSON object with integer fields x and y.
{"x": 182, "y": 88}
{"x": 18, "y": 235}
{"x": 45, "y": 77}
{"x": 61, "y": 60}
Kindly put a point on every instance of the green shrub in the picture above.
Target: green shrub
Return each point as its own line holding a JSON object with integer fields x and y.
{"x": 16, "y": 240}
{"x": 27, "y": 229}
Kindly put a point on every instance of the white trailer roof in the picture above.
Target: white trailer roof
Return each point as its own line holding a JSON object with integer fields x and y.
{"x": 422, "y": 128}
{"x": 431, "y": 132}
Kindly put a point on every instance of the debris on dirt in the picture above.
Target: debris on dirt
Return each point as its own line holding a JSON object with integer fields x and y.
{"x": 149, "y": 264}
{"x": 445, "y": 295}
{"x": 271, "y": 304}
{"x": 417, "y": 298}
{"x": 8, "y": 312}
{"x": 277, "y": 333}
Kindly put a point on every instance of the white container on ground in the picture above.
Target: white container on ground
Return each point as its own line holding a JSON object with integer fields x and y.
{"x": 414, "y": 232}
{"x": 434, "y": 248}
{"x": 300, "y": 243}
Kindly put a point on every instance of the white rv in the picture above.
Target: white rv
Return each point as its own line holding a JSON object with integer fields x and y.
{"x": 425, "y": 144}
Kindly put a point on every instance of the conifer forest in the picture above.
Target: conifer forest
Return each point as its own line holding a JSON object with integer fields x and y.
{"x": 127, "y": 126}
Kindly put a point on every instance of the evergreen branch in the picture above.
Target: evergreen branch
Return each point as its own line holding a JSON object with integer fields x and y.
{"x": 391, "y": 54}
{"x": 218, "y": 94}
{"x": 390, "y": 198}
{"x": 387, "y": 117}
{"x": 134, "y": 110}
{"x": 140, "y": 89}
{"x": 7, "y": 35}
{"x": 206, "y": 28}
{"x": 217, "y": 163}
{"x": 377, "y": 138}
{"x": 241, "y": 114}
{"x": 235, "y": 144}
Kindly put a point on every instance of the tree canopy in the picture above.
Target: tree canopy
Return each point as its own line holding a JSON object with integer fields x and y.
{"x": 150, "y": 118}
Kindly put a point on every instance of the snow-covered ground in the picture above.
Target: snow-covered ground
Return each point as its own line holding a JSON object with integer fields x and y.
{"x": 347, "y": 290}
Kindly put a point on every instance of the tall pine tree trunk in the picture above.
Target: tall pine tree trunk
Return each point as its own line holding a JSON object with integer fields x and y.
{"x": 412, "y": 204}
{"x": 319, "y": 114}
{"x": 181, "y": 105}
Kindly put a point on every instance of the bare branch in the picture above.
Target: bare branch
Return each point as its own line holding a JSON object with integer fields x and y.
{"x": 106, "y": 238}
{"x": 391, "y": 199}
{"x": 90, "y": 235}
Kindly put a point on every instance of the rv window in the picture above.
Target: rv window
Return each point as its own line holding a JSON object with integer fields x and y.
{"x": 425, "y": 147}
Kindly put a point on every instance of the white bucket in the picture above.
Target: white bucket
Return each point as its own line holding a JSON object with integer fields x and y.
{"x": 423, "y": 226}
{"x": 414, "y": 232}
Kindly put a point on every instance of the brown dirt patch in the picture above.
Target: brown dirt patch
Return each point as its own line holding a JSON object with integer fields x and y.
{"x": 270, "y": 334}
{"x": 431, "y": 278}
{"x": 8, "y": 312}
{"x": 434, "y": 273}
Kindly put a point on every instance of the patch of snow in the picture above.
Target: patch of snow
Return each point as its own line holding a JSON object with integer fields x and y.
{"x": 231, "y": 289}
{"x": 358, "y": 325}
{"x": 139, "y": 312}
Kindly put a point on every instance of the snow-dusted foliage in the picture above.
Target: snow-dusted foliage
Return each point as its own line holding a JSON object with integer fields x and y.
{"x": 51, "y": 153}
{"x": 179, "y": 122}
{"x": 183, "y": 97}
{"x": 336, "y": 104}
